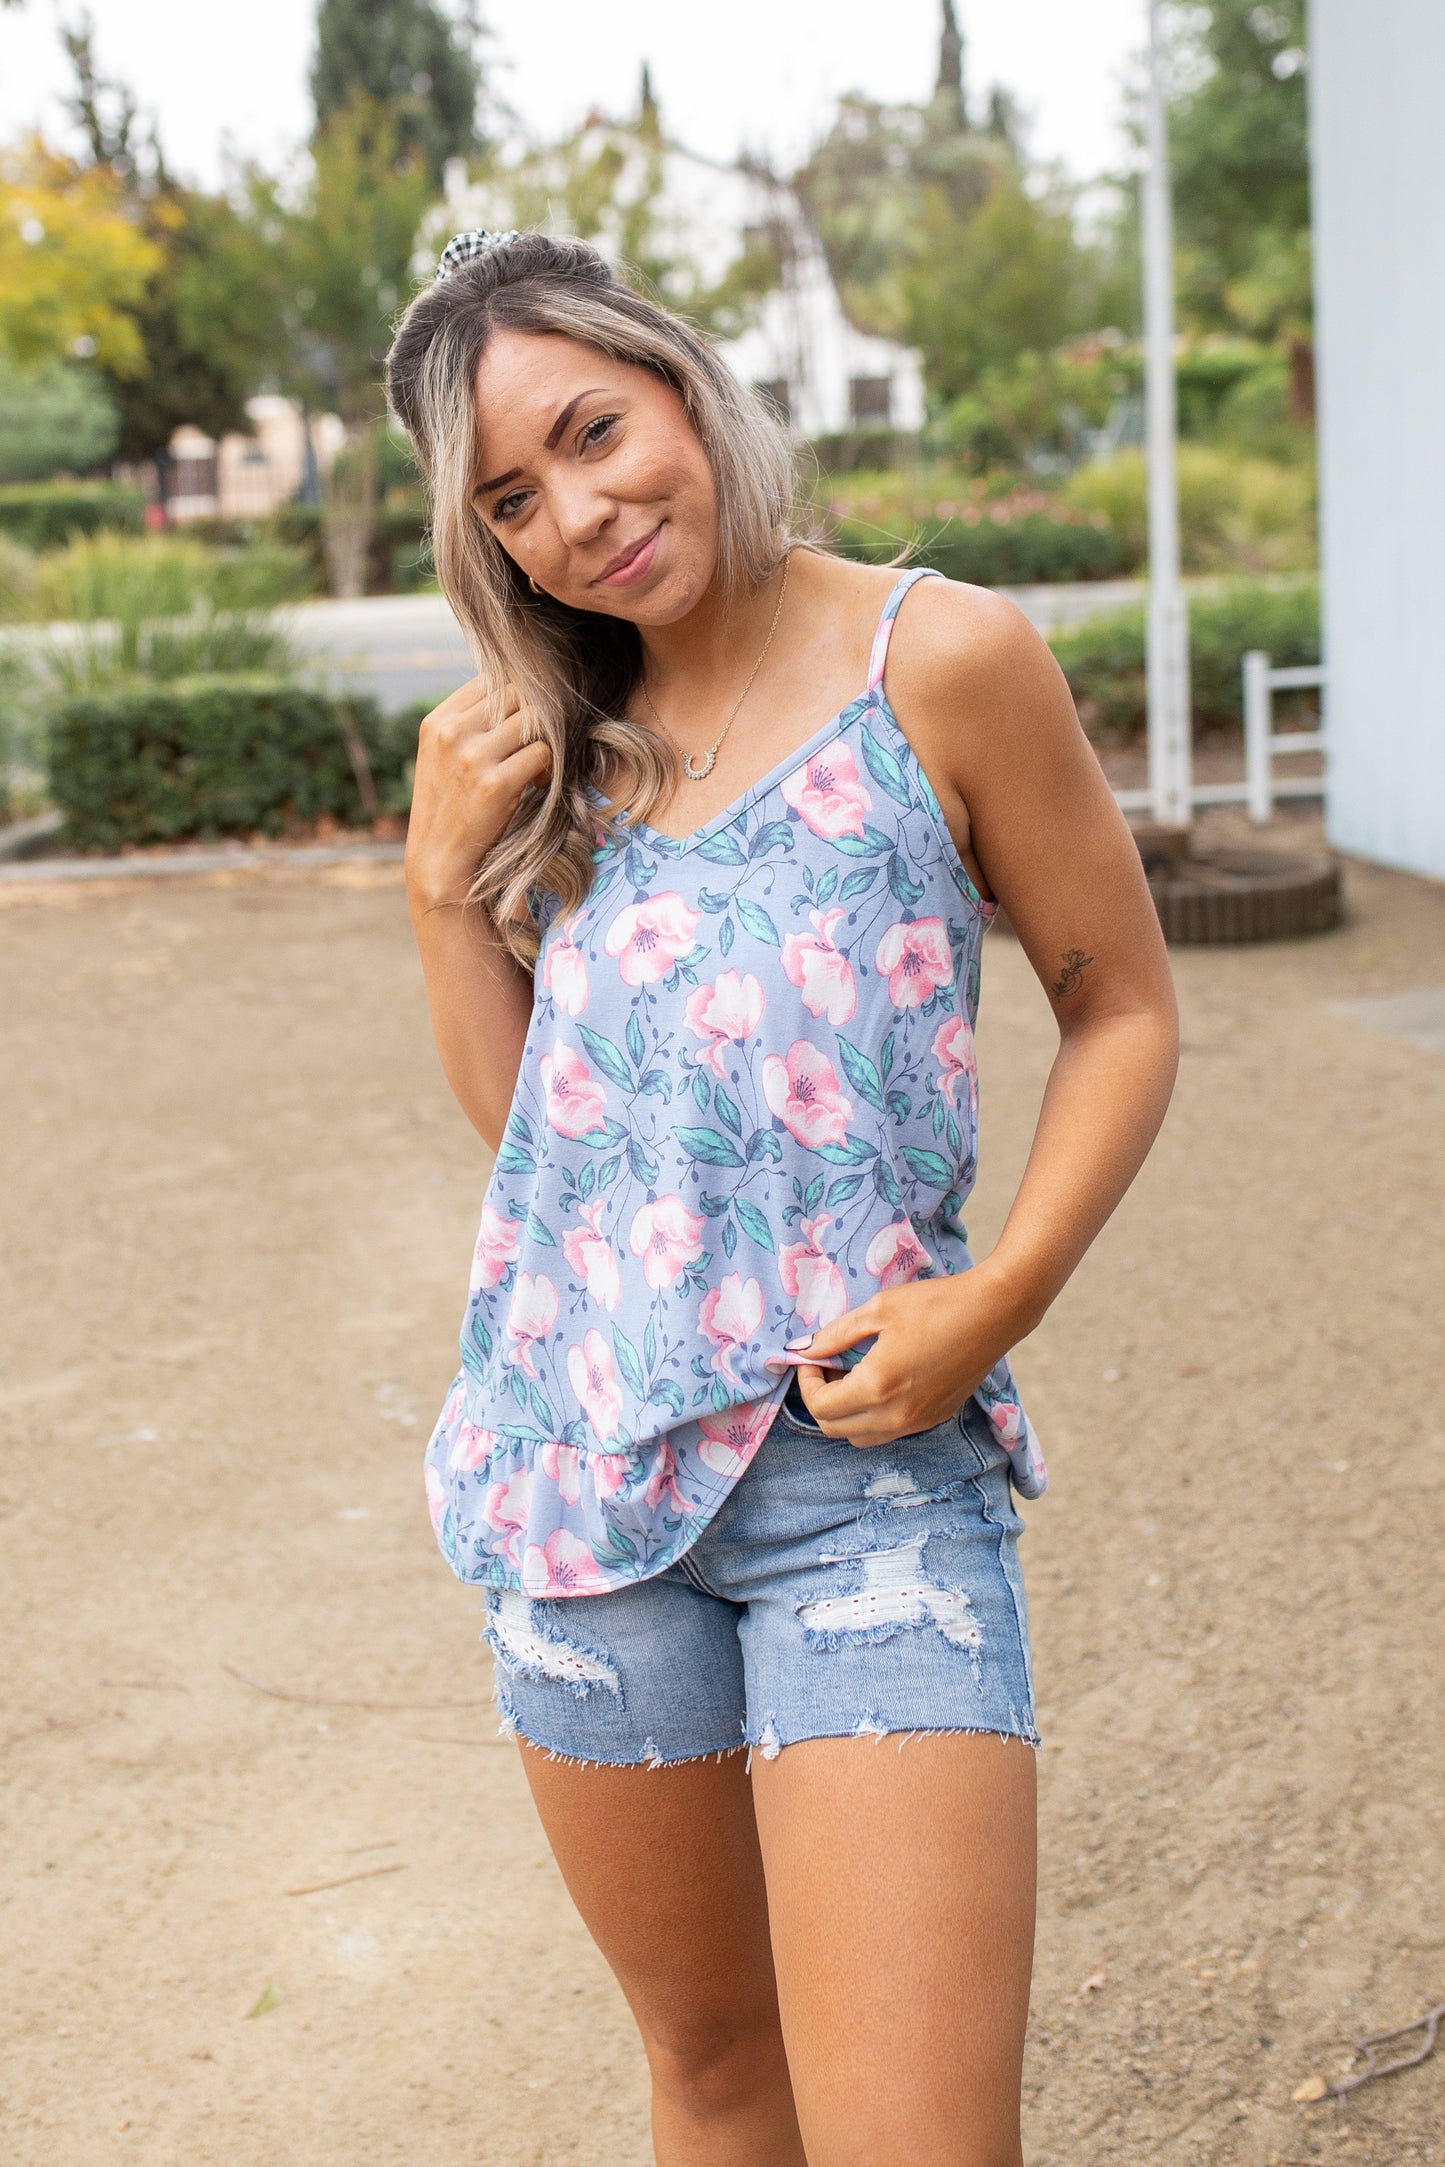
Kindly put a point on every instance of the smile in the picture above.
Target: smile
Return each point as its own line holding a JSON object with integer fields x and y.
{"x": 632, "y": 563}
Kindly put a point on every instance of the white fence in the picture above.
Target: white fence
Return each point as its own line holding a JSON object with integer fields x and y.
{"x": 1259, "y": 787}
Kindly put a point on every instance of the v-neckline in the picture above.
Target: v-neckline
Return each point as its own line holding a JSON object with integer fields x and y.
{"x": 678, "y": 846}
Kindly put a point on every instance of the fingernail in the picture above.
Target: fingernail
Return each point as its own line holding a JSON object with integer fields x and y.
{"x": 795, "y": 1346}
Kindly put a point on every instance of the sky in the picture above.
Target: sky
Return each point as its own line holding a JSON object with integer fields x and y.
{"x": 757, "y": 74}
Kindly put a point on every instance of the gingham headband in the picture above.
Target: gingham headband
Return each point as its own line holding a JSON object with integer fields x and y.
{"x": 466, "y": 247}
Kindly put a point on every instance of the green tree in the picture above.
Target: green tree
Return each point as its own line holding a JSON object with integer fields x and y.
{"x": 408, "y": 56}
{"x": 1239, "y": 151}
{"x": 54, "y": 419}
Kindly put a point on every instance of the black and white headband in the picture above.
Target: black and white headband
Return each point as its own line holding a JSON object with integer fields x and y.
{"x": 466, "y": 247}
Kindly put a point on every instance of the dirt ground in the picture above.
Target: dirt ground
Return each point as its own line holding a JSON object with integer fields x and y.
{"x": 239, "y": 1207}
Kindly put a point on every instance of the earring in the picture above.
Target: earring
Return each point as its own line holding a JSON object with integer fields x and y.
{"x": 533, "y": 584}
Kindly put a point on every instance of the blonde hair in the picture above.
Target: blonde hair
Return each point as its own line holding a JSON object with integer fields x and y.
{"x": 573, "y": 669}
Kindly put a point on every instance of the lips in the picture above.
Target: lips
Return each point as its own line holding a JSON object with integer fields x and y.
{"x": 631, "y": 563}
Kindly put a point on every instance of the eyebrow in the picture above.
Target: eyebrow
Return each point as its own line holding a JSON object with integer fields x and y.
{"x": 484, "y": 489}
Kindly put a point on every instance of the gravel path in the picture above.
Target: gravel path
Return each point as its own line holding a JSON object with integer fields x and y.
{"x": 239, "y": 1207}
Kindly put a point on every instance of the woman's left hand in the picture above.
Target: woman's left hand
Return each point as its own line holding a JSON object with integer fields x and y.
{"x": 935, "y": 1342}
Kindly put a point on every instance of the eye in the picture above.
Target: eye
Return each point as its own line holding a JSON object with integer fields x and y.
{"x": 598, "y": 431}
{"x": 508, "y": 507}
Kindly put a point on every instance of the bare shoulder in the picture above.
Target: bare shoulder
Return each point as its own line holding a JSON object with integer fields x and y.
{"x": 954, "y": 645}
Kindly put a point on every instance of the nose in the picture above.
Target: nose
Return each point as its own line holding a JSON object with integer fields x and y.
{"x": 581, "y": 510}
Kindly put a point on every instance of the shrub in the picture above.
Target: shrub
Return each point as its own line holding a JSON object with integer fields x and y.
{"x": 17, "y": 580}
{"x": 1103, "y": 658}
{"x": 996, "y": 535}
{"x": 54, "y": 419}
{"x": 44, "y": 515}
{"x": 209, "y": 756}
{"x": 1235, "y": 514}
{"x": 134, "y": 578}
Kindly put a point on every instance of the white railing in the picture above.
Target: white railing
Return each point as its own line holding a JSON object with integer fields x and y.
{"x": 1263, "y": 745}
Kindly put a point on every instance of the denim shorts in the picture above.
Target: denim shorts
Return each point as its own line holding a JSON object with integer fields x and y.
{"x": 836, "y": 1593}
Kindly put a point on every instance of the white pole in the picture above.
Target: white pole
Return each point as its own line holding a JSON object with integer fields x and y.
{"x": 1258, "y": 729}
{"x": 1170, "y": 744}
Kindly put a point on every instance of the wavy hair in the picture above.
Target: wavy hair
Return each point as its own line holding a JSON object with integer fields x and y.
{"x": 573, "y": 669}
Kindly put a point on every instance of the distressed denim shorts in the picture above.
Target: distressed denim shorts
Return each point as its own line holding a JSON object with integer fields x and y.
{"x": 836, "y": 1593}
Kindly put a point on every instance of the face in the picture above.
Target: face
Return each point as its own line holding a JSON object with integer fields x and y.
{"x": 592, "y": 479}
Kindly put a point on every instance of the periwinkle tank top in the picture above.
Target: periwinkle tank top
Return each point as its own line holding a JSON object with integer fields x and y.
{"x": 748, "y": 1099}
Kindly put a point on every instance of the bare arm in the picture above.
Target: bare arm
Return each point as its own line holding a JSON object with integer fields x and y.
{"x": 990, "y": 716}
{"x": 472, "y": 767}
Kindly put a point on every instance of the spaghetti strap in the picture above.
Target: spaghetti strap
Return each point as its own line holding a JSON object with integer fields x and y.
{"x": 877, "y": 660}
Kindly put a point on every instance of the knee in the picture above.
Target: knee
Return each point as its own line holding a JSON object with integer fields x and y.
{"x": 707, "y": 2066}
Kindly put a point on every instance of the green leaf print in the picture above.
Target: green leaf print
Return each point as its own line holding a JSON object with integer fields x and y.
{"x": 726, "y": 1111}
{"x": 512, "y": 1159}
{"x": 757, "y": 921}
{"x": 723, "y": 849}
{"x": 726, "y": 936}
{"x": 901, "y": 881}
{"x": 856, "y": 884}
{"x": 643, "y": 1164}
{"x": 846, "y": 1186}
{"x": 606, "y": 1056}
{"x": 634, "y": 1040}
{"x": 777, "y": 835}
{"x": 885, "y": 770}
{"x": 851, "y": 1153}
{"x": 754, "y": 1224}
{"x": 730, "y": 1237}
{"x": 711, "y": 901}
{"x": 861, "y": 1073}
{"x": 627, "y": 1360}
{"x": 710, "y": 1146}
{"x": 539, "y": 1232}
{"x": 701, "y": 1090}
{"x": 928, "y": 1166}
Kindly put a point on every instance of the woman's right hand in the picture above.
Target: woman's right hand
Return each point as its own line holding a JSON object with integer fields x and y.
{"x": 473, "y": 762}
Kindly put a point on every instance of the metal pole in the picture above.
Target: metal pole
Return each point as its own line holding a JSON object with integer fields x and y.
{"x": 1170, "y": 744}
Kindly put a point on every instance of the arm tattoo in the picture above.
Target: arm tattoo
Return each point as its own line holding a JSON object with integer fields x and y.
{"x": 1072, "y": 966}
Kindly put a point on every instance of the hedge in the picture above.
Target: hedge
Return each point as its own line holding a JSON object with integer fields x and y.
{"x": 1018, "y": 551}
{"x": 46, "y": 515}
{"x": 1103, "y": 658}
{"x": 210, "y": 756}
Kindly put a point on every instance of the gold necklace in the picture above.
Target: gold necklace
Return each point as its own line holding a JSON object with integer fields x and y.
{"x": 700, "y": 774}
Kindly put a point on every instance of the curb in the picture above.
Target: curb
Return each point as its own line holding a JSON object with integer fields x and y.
{"x": 163, "y": 863}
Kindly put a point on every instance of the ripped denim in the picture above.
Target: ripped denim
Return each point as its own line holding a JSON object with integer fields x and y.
{"x": 837, "y": 1593}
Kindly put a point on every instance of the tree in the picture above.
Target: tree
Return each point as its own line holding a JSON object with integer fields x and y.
{"x": 202, "y": 345}
{"x": 408, "y": 56}
{"x": 56, "y": 418}
{"x": 345, "y": 248}
{"x": 1239, "y": 145}
{"x": 73, "y": 267}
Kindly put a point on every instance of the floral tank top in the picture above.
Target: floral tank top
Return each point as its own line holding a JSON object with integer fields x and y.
{"x": 747, "y": 1100}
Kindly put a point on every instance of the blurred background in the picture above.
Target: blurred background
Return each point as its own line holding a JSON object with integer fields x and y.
{"x": 273, "y": 1886}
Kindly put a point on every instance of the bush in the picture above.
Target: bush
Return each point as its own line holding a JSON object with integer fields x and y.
{"x": 1103, "y": 658}
{"x": 997, "y": 535}
{"x": 1235, "y": 514}
{"x": 209, "y": 756}
{"x": 130, "y": 578}
{"x": 44, "y": 515}
{"x": 17, "y": 580}
{"x": 54, "y": 419}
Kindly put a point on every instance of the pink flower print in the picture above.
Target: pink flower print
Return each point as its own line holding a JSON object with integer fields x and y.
{"x": 729, "y": 1441}
{"x": 1007, "y": 1419}
{"x": 561, "y": 1566}
{"x": 436, "y": 1498}
{"x": 729, "y": 1315}
{"x": 471, "y": 1448}
{"x": 723, "y": 1014}
{"x": 506, "y": 1508}
{"x": 648, "y": 938}
{"x": 895, "y": 1255}
{"x": 811, "y": 1280}
{"x": 662, "y": 1482}
{"x": 668, "y": 1238}
{"x": 531, "y": 1316}
{"x": 609, "y": 1470}
{"x": 564, "y": 971}
{"x": 591, "y": 1256}
{"x": 828, "y": 793}
{"x": 953, "y": 1046}
{"x": 576, "y": 1101}
{"x": 562, "y": 1464}
{"x": 496, "y": 1248}
{"x": 803, "y": 1092}
{"x": 593, "y": 1375}
{"x": 821, "y": 970}
{"x": 916, "y": 960}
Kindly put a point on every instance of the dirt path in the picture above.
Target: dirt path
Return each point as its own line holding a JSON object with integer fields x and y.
{"x": 238, "y": 1210}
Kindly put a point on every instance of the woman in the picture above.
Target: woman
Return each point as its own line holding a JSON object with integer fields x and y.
{"x": 699, "y": 867}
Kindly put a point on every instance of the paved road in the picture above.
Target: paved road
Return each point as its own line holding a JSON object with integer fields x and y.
{"x": 409, "y": 647}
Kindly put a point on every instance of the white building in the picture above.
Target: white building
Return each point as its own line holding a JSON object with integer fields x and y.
{"x": 825, "y": 376}
{"x": 1377, "y": 86}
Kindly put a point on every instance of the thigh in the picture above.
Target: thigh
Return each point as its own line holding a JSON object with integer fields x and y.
{"x": 900, "y": 1875}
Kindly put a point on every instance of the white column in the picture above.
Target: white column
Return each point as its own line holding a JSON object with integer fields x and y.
{"x": 1171, "y": 764}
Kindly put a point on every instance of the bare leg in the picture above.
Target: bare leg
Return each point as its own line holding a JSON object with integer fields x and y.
{"x": 663, "y": 1864}
{"x": 900, "y": 1877}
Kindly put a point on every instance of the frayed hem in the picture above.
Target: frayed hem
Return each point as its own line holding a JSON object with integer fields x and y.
{"x": 897, "y": 1735}
{"x": 643, "y": 1760}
